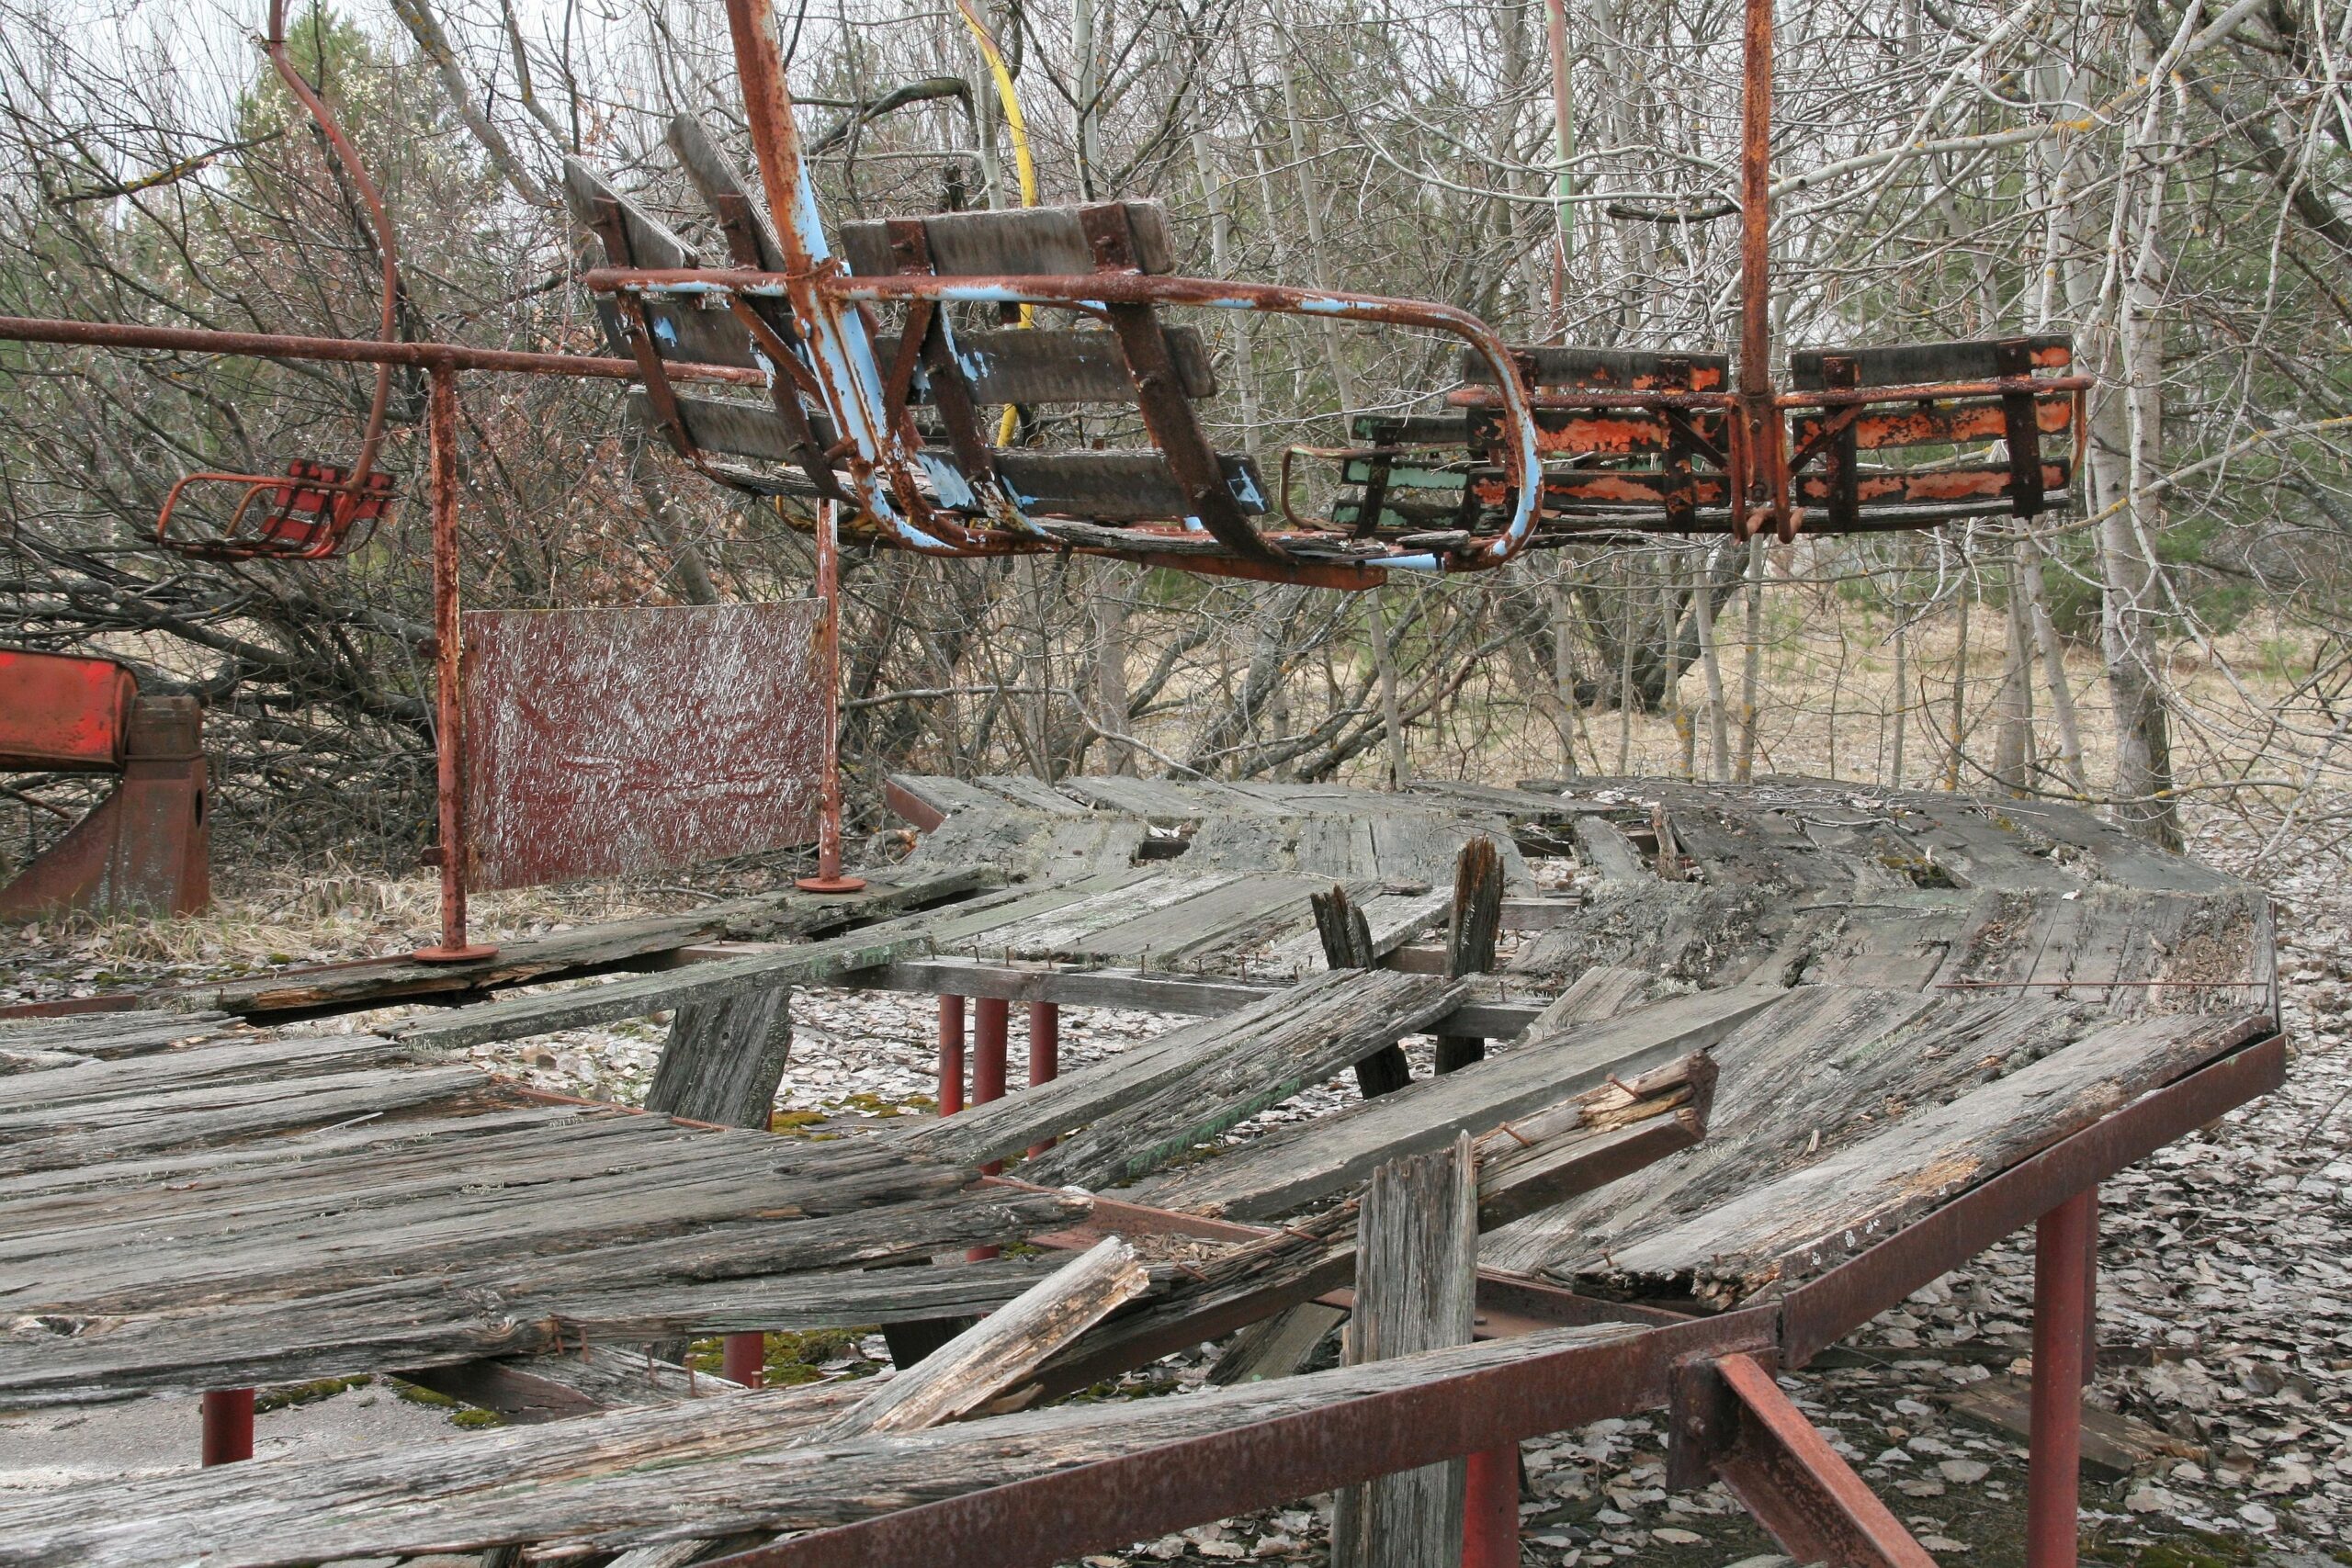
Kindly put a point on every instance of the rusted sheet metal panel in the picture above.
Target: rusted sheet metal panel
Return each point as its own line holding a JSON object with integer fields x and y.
{"x": 64, "y": 713}
{"x": 610, "y": 740}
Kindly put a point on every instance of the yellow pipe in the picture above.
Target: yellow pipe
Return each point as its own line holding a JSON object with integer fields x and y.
{"x": 1025, "y": 166}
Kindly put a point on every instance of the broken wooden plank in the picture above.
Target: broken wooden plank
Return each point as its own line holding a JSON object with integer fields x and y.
{"x": 1782, "y": 1231}
{"x": 517, "y": 1018}
{"x": 1283, "y": 1170}
{"x": 1330, "y": 1022}
{"x": 1474, "y": 922}
{"x": 725, "y": 1058}
{"x": 640, "y": 1478}
{"x": 997, "y": 1356}
{"x": 531, "y": 1390}
{"x": 1345, "y": 932}
{"x": 1417, "y": 1274}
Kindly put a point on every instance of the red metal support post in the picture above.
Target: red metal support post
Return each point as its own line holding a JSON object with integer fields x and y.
{"x": 1045, "y": 1051}
{"x": 991, "y": 1014}
{"x": 227, "y": 1425}
{"x": 743, "y": 1359}
{"x": 2053, "y": 1475}
{"x": 1490, "y": 1509}
{"x": 448, "y": 697}
{"x": 951, "y": 1054}
{"x": 829, "y": 877}
{"x": 2090, "y": 1293}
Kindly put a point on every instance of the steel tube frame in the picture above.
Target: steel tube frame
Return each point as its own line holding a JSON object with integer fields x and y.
{"x": 829, "y": 877}
{"x": 2061, "y": 1300}
{"x": 1103, "y": 1504}
{"x": 227, "y": 1425}
{"x": 1044, "y": 1052}
{"x": 951, "y": 1054}
{"x": 448, "y": 682}
{"x": 743, "y": 1358}
{"x": 1490, "y": 1508}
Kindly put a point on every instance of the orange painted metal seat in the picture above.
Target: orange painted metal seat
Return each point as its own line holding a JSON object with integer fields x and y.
{"x": 315, "y": 511}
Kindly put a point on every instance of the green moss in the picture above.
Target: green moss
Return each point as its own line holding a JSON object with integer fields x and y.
{"x": 417, "y": 1395}
{"x": 305, "y": 1392}
{"x": 787, "y": 1120}
{"x": 472, "y": 1419}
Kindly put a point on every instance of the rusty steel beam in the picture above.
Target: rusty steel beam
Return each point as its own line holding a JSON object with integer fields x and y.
{"x": 1108, "y": 1504}
{"x": 350, "y": 350}
{"x": 2062, "y": 1240}
{"x": 951, "y": 1054}
{"x": 448, "y": 696}
{"x": 1731, "y": 1423}
{"x": 743, "y": 1359}
{"x": 227, "y": 1425}
{"x": 1824, "y": 1310}
{"x": 1490, "y": 1508}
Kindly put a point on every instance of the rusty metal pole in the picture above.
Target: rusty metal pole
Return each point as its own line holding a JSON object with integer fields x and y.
{"x": 743, "y": 1359}
{"x": 829, "y": 877}
{"x": 2090, "y": 1292}
{"x": 2053, "y": 1473}
{"x": 1490, "y": 1509}
{"x": 1045, "y": 1051}
{"x": 951, "y": 1056}
{"x": 449, "y": 677}
{"x": 227, "y": 1425}
{"x": 1760, "y": 481}
{"x": 990, "y": 1016}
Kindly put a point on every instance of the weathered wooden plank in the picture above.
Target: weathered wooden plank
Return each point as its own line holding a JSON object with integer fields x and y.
{"x": 1779, "y": 1232}
{"x": 530, "y": 1390}
{"x": 998, "y": 1355}
{"x": 1417, "y": 1276}
{"x": 1062, "y": 365}
{"x": 1824, "y": 1069}
{"x": 1331, "y": 1023}
{"x": 517, "y": 1018}
{"x": 1474, "y": 922}
{"x": 616, "y": 945}
{"x": 639, "y": 1478}
{"x": 725, "y": 1058}
{"x": 110, "y": 1034}
{"x": 1610, "y": 852}
{"x": 1034, "y": 793}
{"x": 1046, "y": 241}
{"x": 1277, "y": 1173}
{"x": 1575, "y": 1146}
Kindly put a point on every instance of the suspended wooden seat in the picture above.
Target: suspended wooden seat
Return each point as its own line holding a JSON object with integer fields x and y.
{"x": 1646, "y": 442}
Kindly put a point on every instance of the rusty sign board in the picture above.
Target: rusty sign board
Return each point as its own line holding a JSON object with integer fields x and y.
{"x": 604, "y": 741}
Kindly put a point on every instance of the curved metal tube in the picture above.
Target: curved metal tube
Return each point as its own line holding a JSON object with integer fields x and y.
{"x": 1095, "y": 290}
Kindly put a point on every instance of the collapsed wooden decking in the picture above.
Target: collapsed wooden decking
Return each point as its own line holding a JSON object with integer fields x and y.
{"x": 1880, "y": 1009}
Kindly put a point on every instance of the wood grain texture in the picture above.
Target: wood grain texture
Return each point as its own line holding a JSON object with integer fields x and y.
{"x": 1416, "y": 1277}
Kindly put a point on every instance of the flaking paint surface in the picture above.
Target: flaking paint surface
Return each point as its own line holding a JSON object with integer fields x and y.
{"x": 606, "y": 741}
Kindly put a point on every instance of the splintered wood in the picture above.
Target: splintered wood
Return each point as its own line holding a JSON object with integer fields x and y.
{"x": 1806, "y": 1016}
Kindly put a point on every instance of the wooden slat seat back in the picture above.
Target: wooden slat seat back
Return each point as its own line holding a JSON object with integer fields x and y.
{"x": 1828, "y": 470}
{"x": 1136, "y": 362}
{"x": 1641, "y": 461}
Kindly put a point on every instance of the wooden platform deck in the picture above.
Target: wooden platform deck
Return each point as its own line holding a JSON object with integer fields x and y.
{"x": 1812, "y": 1016}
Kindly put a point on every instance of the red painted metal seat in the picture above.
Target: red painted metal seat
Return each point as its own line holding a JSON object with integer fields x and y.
{"x": 1634, "y": 441}
{"x": 314, "y": 512}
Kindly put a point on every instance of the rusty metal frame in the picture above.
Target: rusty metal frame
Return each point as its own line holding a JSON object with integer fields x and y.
{"x": 1106, "y": 1504}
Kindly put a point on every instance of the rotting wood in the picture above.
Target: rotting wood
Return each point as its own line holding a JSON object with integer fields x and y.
{"x": 1285, "y": 1169}
{"x": 1277, "y": 1347}
{"x": 1417, "y": 1274}
{"x": 1331, "y": 1022}
{"x": 590, "y": 950}
{"x": 1472, "y": 928}
{"x": 530, "y": 1390}
{"x": 725, "y": 1058}
{"x": 1782, "y": 1231}
{"x": 517, "y": 1018}
{"x": 995, "y": 1358}
{"x": 1346, "y": 937}
{"x": 1573, "y": 1147}
{"x": 638, "y": 1478}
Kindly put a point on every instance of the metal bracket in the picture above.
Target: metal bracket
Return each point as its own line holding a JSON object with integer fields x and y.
{"x": 1730, "y": 1422}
